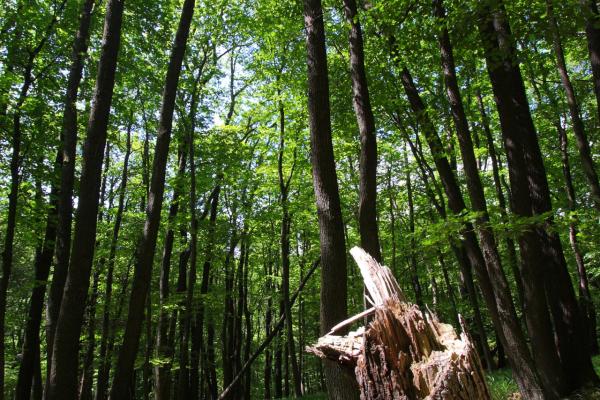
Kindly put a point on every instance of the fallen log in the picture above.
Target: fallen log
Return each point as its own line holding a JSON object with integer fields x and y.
{"x": 403, "y": 353}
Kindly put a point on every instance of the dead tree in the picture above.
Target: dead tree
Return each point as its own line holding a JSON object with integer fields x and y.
{"x": 403, "y": 353}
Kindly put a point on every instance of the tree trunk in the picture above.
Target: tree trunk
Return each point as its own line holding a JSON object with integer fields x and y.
{"x": 585, "y": 299}
{"x": 268, "y": 313}
{"x": 592, "y": 32}
{"x": 581, "y": 139}
{"x": 87, "y": 375}
{"x": 367, "y": 207}
{"x": 411, "y": 226}
{"x": 146, "y": 248}
{"x": 67, "y": 178}
{"x": 510, "y": 244}
{"x": 42, "y": 263}
{"x": 333, "y": 249}
{"x": 492, "y": 280}
{"x": 104, "y": 356}
{"x": 284, "y": 187}
{"x": 162, "y": 371}
{"x": 63, "y": 377}
{"x": 526, "y": 163}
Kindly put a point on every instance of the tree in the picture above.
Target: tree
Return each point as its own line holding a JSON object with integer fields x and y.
{"x": 63, "y": 375}
{"x": 367, "y": 208}
{"x": 333, "y": 248}
{"x": 147, "y": 245}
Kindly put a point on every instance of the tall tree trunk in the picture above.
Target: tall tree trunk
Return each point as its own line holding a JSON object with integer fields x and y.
{"x": 103, "y": 356}
{"x": 284, "y": 187}
{"x": 367, "y": 208}
{"x": 592, "y": 32}
{"x": 67, "y": 178}
{"x": 585, "y": 299}
{"x": 63, "y": 376}
{"x": 492, "y": 280}
{"x": 268, "y": 317}
{"x": 207, "y": 356}
{"x": 87, "y": 375}
{"x": 581, "y": 139}
{"x": 13, "y": 194}
{"x": 247, "y": 383}
{"x": 411, "y": 226}
{"x": 467, "y": 285}
{"x": 474, "y": 185}
{"x": 164, "y": 350}
{"x": 526, "y": 163}
{"x": 42, "y": 263}
{"x": 340, "y": 384}
{"x": 510, "y": 244}
{"x": 146, "y": 248}
{"x": 391, "y": 206}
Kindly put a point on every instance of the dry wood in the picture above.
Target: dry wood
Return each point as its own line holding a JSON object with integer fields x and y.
{"x": 404, "y": 353}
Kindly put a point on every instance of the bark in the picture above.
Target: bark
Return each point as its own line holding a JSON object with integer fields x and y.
{"x": 63, "y": 376}
{"x": 510, "y": 244}
{"x": 87, "y": 376}
{"x": 67, "y": 177}
{"x": 284, "y": 187}
{"x": 247, "y": 384}
{"x": 411, "y": 226}
{"x": 526, "y": 163}
{"x": 467, "y": 286}
{"x": 585, "y": 299}
{"x": 207, "y": 357}
{"x": 367, "y": 208}
{"x": 581, "y": 139}
{"x": 43, "y": 260}
{"x": 491, "y": 278}
{"x": 333, "y": 249}
{"x": 403, "y": 353}
{"x": 268, "y": 317}
{"x": 592, "y": 32}
{"x": 474, "y": 185}
{"x": 470, "y": 256}
{"x": 146, "y": 248}
{"x": 228, "y": 312}
{"x": 392, "y": 206}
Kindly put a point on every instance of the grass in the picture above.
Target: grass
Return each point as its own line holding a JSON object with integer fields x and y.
{"x": 502, "y": 386}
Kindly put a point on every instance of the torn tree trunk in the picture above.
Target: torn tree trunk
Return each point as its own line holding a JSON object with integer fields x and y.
{"x": 403, "y": 353}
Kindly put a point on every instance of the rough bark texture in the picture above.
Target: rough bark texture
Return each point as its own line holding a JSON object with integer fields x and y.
{"x": 63, "y": 377}
{"x": 404, "y": 353}
{"x": 367, "y": 207}
{"x": 528, "y": 177}
{"x": 333, "y": 249}
{"x": 147, "y": 246}
{"x": 581, "y": 139}
{"x": 67, "y": 174}
{"x": 592, "y": 32}
{"x": 586, "y": 304}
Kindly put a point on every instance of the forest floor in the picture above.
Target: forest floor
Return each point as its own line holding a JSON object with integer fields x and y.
{"x": 503, "y": 386}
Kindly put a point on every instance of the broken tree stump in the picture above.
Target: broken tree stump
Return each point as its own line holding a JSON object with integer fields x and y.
{"x": 403, "y": 353}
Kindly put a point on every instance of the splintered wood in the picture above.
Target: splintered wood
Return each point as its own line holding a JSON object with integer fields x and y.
{"x": 403, "y": 353}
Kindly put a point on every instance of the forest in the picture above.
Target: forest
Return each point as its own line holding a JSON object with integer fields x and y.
{"x": 181, "y": 182}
